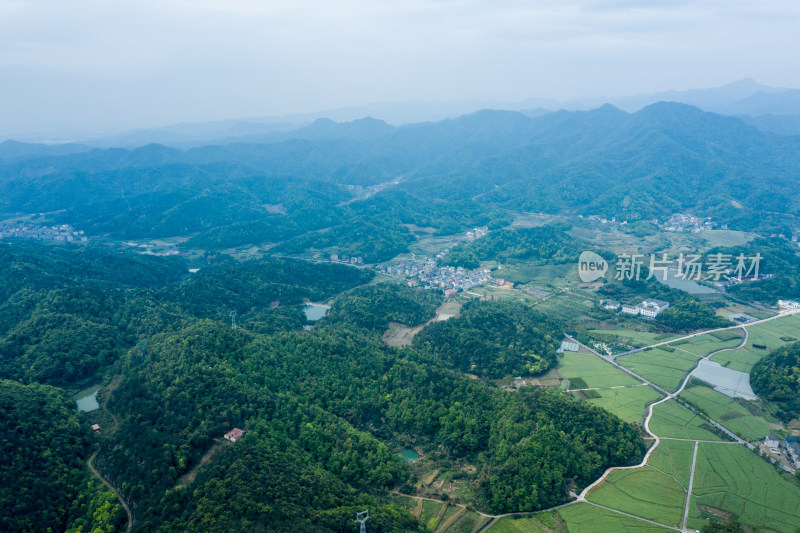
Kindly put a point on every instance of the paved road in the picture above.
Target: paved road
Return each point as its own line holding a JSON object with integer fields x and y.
{"x": 781, "y": 314}
{"x": 689, "y": 490}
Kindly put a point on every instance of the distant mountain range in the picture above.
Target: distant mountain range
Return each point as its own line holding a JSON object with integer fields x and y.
{"x": 760, "y": 104}
{"x": 664, "y": 158}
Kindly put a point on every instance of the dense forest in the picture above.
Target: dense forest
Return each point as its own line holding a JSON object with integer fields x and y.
{"x": 776, "y": 377}
{"x": 45, "y": 481}
{"x": 494, "y": 339}
{"x": 550, "y": 244}
{"x": 373, "y": 307}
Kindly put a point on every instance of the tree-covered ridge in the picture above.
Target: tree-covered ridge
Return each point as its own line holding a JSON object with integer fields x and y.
{"x": 550, "y": 244}
{"x": 45, "y": 485}
{"x": 62, "y": 314}
{"x": 374, "y": 306}
{"x": 776, "y": 377}
{"x": 317, "y": 402}
{"x": 637, "y": 166}
{"x": 67, "y": 315}
{"x": 494, "y": 339}
{"x": 374, "y": 240}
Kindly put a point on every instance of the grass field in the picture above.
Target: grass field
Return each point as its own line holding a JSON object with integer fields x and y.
{"x": 585, "y": 518}
{"x": 732, "y": 479}
{"x": 726, "y": 411}
{"x": 469, "y": 522}
{"x": 644, "y": 492}
{"x": 670, "y": 419}
{"x": 628, "y": 403}
{"x": 663, "y": 368}
{"x": 429, "y": 512}
{"x": 593, "y": 371}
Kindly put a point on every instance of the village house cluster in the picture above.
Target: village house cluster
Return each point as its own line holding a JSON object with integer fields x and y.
{"x": 477, "y": 233}
{"x": 430, "y": 275}
{"x": 62, "y": 233}
{"x": 679, "y": 222}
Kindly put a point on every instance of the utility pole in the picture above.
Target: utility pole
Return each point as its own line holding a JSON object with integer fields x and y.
{"x": 361, "y": 518}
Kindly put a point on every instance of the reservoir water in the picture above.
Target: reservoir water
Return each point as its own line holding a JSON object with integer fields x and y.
{"x": 315, "y": 312}
{"x": 86, "y": 400}
{"x": 686, "y": 285}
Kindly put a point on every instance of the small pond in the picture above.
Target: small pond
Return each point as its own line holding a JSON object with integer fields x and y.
{"x": 86, "y": 399}
{"x": 315, "y": 312}
{"x": 408, "y": 455}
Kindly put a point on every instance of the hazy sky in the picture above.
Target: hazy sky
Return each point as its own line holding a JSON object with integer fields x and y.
{"x": 83, "y": 64}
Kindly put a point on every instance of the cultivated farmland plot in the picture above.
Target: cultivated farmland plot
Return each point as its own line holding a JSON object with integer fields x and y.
{"x": 664, "y": 368}
{"x": 733, "y": 480}
{"x": 672, "y": 420}
{"x": 728, "y": 412}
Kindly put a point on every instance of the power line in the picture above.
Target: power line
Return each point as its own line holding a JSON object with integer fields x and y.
{"x": 361, "y": 518}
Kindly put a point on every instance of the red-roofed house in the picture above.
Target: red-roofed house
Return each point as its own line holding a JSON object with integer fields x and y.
{"x": 234, "y": 434}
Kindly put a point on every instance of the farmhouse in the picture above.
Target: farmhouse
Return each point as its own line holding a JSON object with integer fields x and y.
{"x": 234, "y": 434}
{"x": 772, "y": 442}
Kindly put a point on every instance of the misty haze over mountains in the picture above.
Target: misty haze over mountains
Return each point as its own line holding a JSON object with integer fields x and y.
{"x": 770, "y": 109}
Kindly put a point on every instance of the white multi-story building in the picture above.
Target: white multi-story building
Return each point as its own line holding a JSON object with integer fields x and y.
{"x": 652, "y": 308}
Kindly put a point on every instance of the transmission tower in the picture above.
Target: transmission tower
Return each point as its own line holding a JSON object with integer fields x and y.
{"x": 361, "y": 518}
{"x": 143, "y": 347}
{"x": 232, "y": 314}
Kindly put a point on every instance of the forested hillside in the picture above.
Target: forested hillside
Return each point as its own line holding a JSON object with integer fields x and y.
{"x": 777, "y": 377}
{"x": 323, "y": 411}
{"x": 550, "y": 244}
{"x": 45, "y": 481}
{"x": 494, "y": 339}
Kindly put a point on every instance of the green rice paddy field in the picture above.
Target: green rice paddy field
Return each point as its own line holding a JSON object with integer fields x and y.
{"x": 672, "y": 420}
{"x": 589, "y": 371}
{"x": 767, "y": 336}
{"x": 728, "y": 412}
{"x": 732, "y": 479}
{"x": 656, "y": 493}
{"x": 664, "y": 368}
